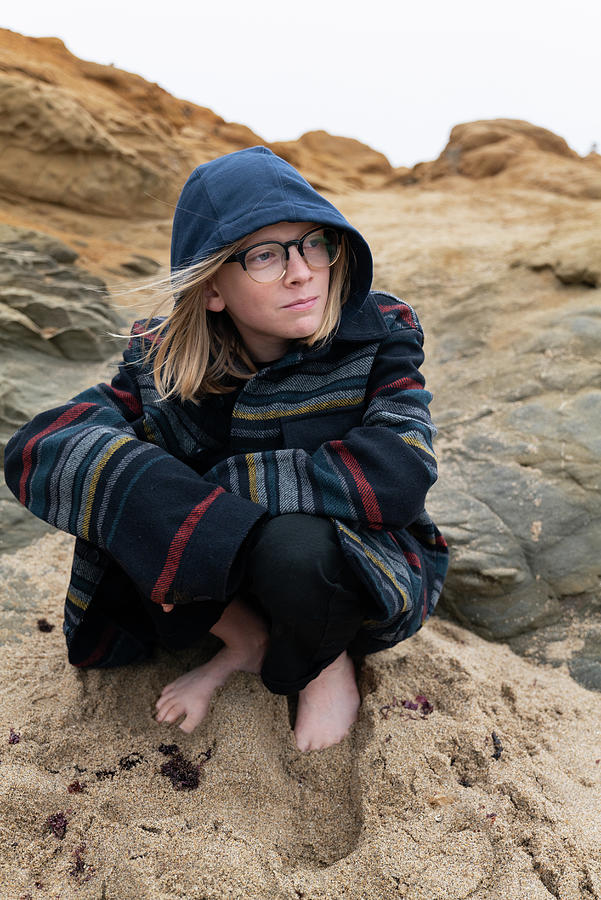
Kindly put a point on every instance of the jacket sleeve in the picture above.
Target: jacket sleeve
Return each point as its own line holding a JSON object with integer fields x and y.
{"x": 87, "y": 468}
{"x": 377, "y": 475}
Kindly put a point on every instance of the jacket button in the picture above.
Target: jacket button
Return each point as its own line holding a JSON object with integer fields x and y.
{"x": 93, "y": 556}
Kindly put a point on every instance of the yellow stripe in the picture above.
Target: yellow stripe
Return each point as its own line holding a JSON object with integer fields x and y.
{"x": 299, "y": 410}
{"x": 252, "y": 477}
{"x": 149, "y": 432}
{"x": 415, "y": 443}
{"x": 76, "y": 601}
{"x": 377, "y": 563}
{"x": 96, "y": 476}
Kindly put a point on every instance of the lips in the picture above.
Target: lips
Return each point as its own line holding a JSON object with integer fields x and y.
{"x": 303, "y": 303}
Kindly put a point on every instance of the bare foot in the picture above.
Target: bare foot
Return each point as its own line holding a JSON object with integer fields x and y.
{"x": 245, "y": 638}
{"x": 328, "y": 706}
{"x": 190, "y": 694}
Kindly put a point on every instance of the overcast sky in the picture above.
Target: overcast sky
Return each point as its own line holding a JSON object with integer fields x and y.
{"x": 396, "y": 75}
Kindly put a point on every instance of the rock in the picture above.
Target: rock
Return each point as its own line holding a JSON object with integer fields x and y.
{"x": 76, "y": 161}
{"x": 514, "y": 153}
{"x": 56, "y": 309}
{"x": 99, "y": 140}
{"x": 19, "y": 527}
{"x": 141, "y": 265}
{"x": 531, "y": 531}
{"x": 330, "y": 162}
{"x": 573, "y": 258}
{"x": 51, "y": 312}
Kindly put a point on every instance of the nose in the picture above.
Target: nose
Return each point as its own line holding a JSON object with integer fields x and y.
{"x": 297, "y": 269}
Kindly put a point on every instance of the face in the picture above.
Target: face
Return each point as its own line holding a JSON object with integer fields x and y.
{"x": 270, "y": 316}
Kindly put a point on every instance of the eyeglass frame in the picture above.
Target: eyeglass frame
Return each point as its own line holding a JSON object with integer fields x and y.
{"x": 240, "y": 256}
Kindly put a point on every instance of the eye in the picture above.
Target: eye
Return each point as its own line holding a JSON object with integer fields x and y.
{"x": 316, "y": 240}
{"x": 261, "y": 256}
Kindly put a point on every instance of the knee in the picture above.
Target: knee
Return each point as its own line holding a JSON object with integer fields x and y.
{"x": 294, "y": 546}
{"x": 294, "y": 559}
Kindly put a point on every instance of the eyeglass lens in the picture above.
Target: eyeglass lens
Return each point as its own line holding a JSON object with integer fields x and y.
{"x": 319, "y": 248}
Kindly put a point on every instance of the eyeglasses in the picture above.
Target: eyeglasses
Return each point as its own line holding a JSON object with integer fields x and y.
{"x": 267, "y": 261}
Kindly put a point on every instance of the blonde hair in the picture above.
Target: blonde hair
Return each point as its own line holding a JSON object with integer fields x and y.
{"x": 195, "y": 351}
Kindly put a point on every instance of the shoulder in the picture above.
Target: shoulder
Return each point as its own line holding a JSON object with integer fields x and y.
{"x": 140, "y": 341}
{"x": 395, "y": 312}
{"x": 378, "y": 317}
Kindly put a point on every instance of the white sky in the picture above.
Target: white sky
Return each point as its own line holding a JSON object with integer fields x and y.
{"x": 396, "y": 75}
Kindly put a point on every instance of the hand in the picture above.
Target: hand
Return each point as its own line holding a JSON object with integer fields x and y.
{"x": 167, "y": 607}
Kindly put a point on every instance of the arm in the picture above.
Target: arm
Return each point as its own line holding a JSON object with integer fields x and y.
{"x": 378, "y": 474}
{"x": 86, "y": 468}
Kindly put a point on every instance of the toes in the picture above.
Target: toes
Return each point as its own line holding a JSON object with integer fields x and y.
{"x": 163, "y": 701}
{"x": 189, "y": 724}
{"x": 170, "y": 713}
{"x": 169, "y": 689}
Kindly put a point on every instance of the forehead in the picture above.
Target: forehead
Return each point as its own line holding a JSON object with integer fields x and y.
{"x": 280, "y": 231}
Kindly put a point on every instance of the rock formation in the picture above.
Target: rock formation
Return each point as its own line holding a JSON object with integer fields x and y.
{"x": 100, "y": 140}
{"x": 511, "y": 153}
{"x": 54, "y": 316}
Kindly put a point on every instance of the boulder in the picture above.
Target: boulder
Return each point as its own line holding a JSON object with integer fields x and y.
{"x": 331, "y": 162}
{"x": 513, "y": 153}
{"x": 572, "y": 256}
{"x": 53, "y": 314}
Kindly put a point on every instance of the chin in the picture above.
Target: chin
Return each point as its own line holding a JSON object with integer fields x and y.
{"x": 305, "y": 329}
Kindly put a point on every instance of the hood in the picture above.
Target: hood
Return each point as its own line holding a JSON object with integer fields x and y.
{"x": 234, "y": 195}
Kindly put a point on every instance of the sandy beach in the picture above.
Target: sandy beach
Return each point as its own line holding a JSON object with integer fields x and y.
{"x": 494, "y": 793}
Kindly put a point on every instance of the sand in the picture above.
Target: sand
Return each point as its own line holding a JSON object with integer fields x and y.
{"x": 412, "y": 804}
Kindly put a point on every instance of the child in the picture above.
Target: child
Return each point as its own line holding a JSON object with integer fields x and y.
{"x": 258, "y": 466}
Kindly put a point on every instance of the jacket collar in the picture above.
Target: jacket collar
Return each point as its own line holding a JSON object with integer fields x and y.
{"x": 363, "y": 324}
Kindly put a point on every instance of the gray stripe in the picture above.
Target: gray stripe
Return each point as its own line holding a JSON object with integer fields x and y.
{"x": 307, "y": 500}
{"x": 287, "y": 483}
{"x": 93, "y": 463}
{"x": 67, "y": 478}
{"x": 110, "y": 484}
{"x": 58, "y": 469}
{"x": 233, "y": 476}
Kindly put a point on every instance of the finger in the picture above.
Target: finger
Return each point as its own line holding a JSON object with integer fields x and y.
{"x": 167, "y": 607}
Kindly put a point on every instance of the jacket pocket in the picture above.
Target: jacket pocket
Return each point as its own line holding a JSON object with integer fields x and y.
{"x": 310, "y": 433}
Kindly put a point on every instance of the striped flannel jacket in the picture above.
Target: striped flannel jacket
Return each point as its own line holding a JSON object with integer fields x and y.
{"x": 341, "y": 431}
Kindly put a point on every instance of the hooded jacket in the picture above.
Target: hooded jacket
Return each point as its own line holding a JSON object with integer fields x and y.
{"x": 341, "y": 431}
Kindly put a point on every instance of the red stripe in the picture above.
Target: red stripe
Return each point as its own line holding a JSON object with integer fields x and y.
{"x": 104, "y": 642}
{"x": 412, "y": 559}
{"x": 407, "y": 384}
{"x": 130, "y": 400}
{"x": 404, "y": 312}
{"x": 65, "y": 419}
{"x": 425, "y": 608}
{"x": 178, "y": 545}
{"x": 366, "y": 492}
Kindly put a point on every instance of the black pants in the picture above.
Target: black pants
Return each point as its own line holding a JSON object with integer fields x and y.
{"x": 293, "y": 573}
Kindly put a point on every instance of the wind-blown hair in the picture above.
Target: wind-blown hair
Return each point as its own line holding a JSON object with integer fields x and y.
{"x": 195, "y": 351}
